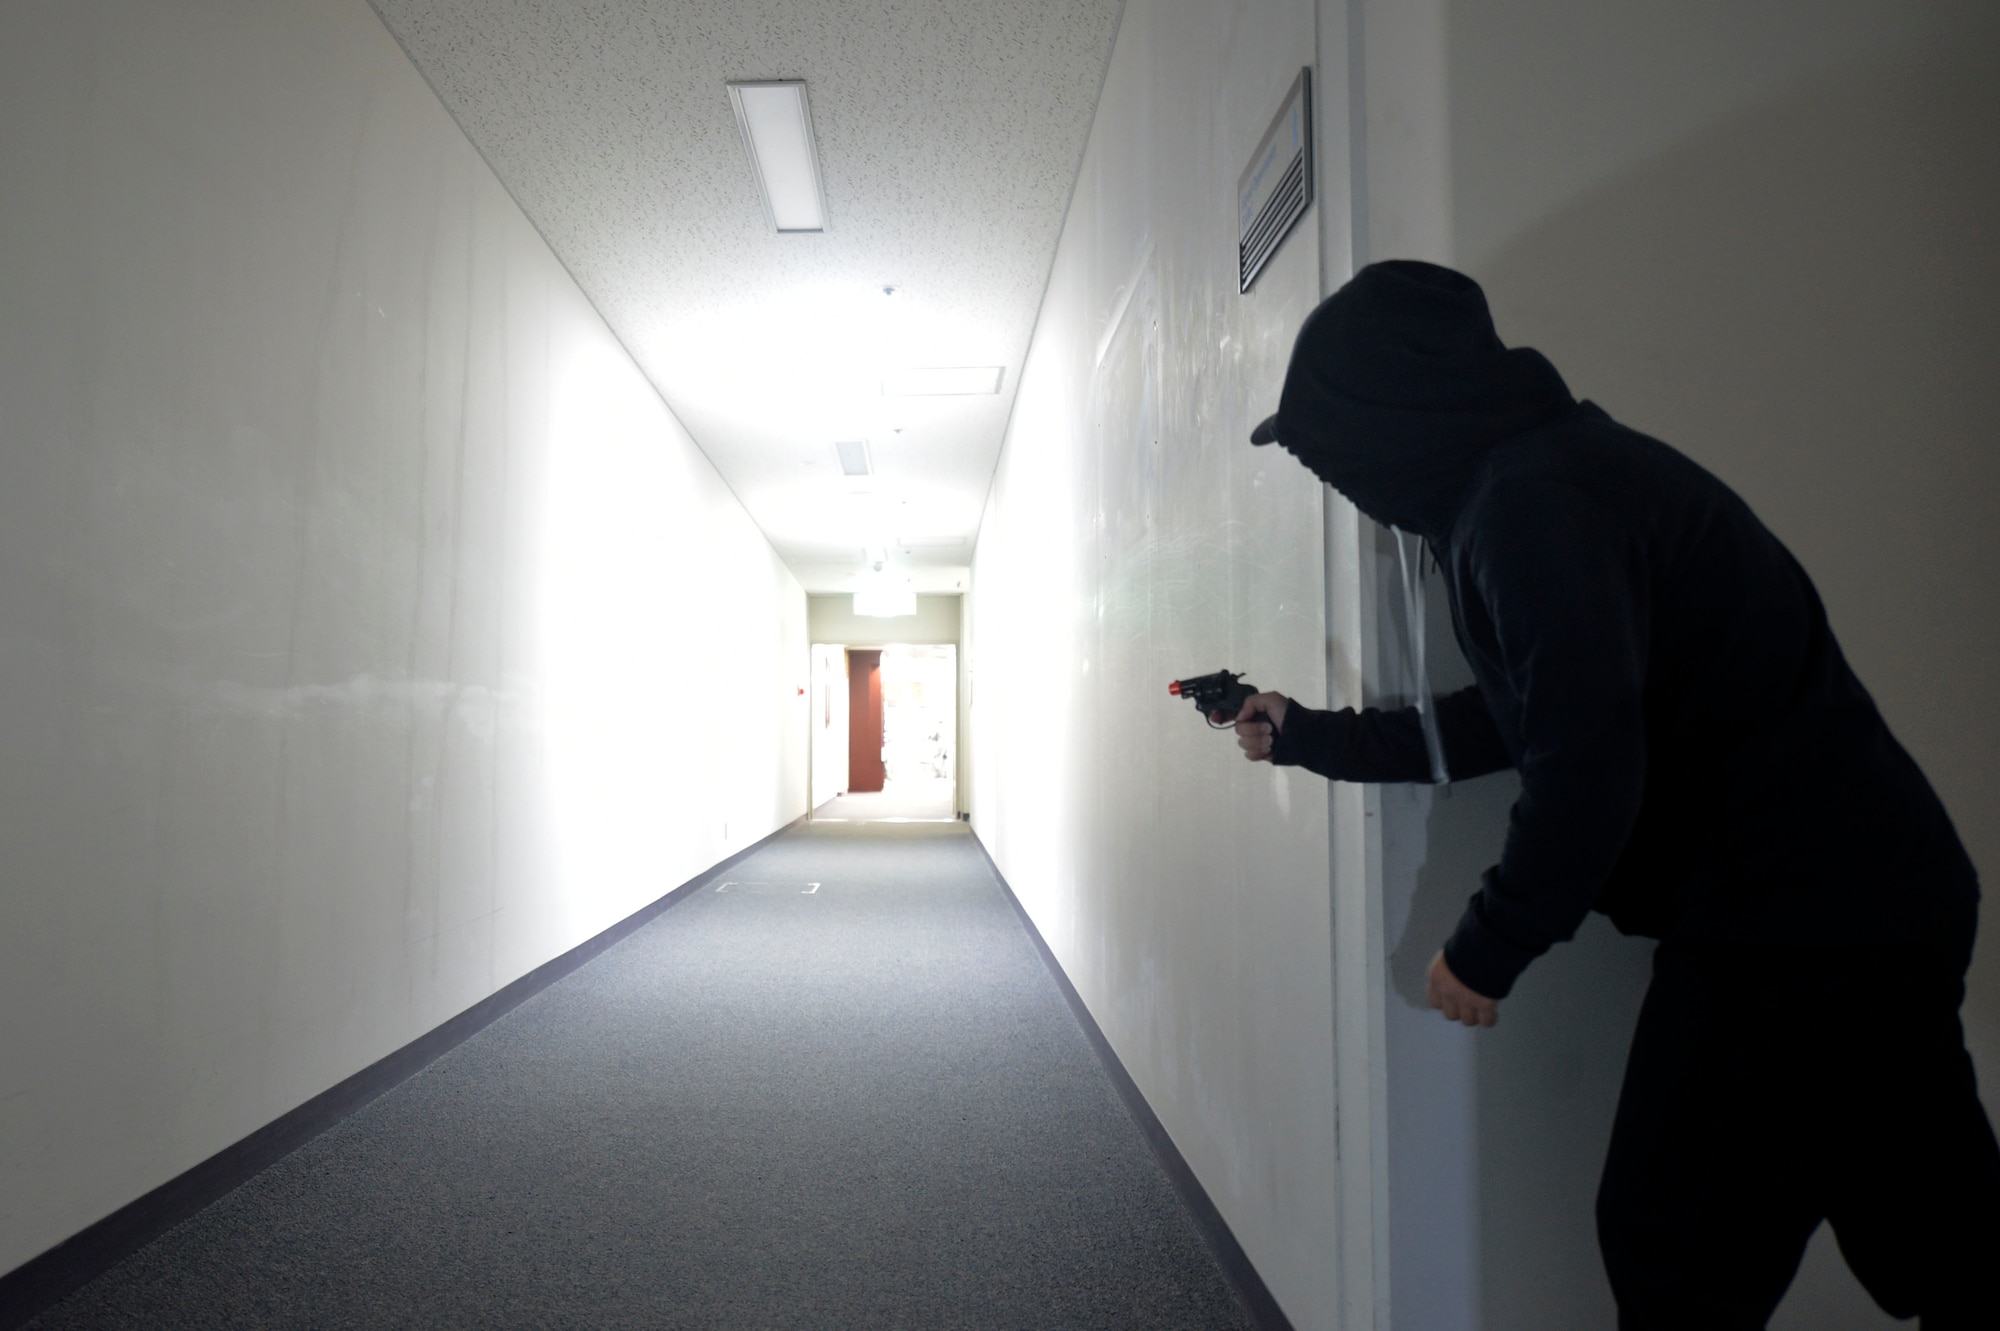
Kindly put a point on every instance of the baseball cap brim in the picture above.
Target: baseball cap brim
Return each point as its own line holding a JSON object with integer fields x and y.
{"x": 1267, "y": 433}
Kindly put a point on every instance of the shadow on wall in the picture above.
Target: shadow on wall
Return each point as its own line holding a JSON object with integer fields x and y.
{"x": 1547, "y": 1077}
{"x": 1807, "y": 300}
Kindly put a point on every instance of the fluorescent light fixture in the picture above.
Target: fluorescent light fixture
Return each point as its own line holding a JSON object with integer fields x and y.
{"x": 884, "y": 595}
{"x": 854, "y": 460}
{"x": 943, "y": 381}
{"x": 777, "y": 133}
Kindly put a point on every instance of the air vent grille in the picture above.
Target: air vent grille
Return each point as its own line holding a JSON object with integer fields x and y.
{"x": 1283, "y": 208}
{"x": 1276, "y": 188}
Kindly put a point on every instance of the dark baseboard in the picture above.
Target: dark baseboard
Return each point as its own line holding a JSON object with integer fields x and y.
{"x": 44, "y": 1281}
{"x": 1237, "y": 1268}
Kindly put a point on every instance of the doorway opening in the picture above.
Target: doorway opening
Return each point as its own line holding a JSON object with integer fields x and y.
{"x": 885, "y": 733}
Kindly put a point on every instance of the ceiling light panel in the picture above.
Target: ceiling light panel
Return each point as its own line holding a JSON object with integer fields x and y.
{"x": 854, "y": 459}
{"x": 943, "y": 381}
{"x": 777, "y": 133}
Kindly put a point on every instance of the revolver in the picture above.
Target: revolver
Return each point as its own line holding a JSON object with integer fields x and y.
{"x": 1224, "y": 691}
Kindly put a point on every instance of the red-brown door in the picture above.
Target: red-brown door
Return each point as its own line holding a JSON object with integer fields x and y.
{"x": 864, "y": 721}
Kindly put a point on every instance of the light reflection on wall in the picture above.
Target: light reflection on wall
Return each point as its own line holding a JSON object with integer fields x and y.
{"x": 672, "y": 642}
{"x": 1030, "y": 594}
{"x": 410, "y": 641}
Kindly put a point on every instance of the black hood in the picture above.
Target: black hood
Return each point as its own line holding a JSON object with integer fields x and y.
{"x": 1399, "y": 386}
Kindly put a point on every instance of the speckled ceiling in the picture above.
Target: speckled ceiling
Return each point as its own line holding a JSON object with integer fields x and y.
{"x": 949, "y": 136}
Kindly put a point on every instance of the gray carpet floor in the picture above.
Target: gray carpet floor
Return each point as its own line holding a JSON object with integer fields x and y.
{"x": 864, "y": 1107}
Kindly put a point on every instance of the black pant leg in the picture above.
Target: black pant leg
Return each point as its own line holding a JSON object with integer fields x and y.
{"x": 1770, "y": 1087}
{"x": 1706, "y": 1202}
{"x": 1914, "y": 1174}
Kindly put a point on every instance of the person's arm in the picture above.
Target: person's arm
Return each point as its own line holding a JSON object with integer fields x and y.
{"x": 1377, "y": 745}
{"x": 1566, "y": 591}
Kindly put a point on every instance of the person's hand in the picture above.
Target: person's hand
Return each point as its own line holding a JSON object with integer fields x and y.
{"x": 1257, "y": 725}
{"x": 1448, "y": 994}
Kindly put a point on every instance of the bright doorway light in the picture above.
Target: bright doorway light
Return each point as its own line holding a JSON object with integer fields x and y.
{"x": 920, "y": 718}
{"x": 904, "y": 699}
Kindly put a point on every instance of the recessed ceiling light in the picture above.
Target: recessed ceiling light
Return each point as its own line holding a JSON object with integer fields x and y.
{"x": 777, "y": 133}
{"x": 943, "y": 381}
{"x": 854, "y": 459}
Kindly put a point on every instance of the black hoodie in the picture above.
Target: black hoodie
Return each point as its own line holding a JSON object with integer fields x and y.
{"x": 1697, "y": 760}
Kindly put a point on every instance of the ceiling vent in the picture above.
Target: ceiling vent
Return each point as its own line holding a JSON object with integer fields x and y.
{"x": 854, "y": 459}
{"x": 1277, "y": 187}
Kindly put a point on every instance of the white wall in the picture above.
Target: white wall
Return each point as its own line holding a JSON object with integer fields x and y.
{"x": 1765, "y": 233}
{"x": 371, "y": 634}
{"x": 1132, "y": 537}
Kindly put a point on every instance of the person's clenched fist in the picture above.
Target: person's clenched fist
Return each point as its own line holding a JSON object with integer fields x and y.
{"x": 1449, "y": 995}
{"x": 1257, "y": 725}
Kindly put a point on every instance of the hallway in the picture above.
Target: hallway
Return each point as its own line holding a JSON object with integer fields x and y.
{"x": 863, "y": 1106}
{"x": 454, "y": 452}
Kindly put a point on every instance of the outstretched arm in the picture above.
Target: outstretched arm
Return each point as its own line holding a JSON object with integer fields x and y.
{"x": 1373, "y": 744}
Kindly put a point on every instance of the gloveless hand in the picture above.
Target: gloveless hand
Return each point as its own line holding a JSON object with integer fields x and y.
{"x": 1449, "y": 995}
{"x": 1263, "y": 715}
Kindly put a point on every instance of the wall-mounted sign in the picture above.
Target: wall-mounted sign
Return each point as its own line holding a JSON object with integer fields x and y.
{"x": 1277, "y": 187}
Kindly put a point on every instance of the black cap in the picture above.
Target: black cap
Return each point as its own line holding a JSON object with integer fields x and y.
{"x": 1267, "y": 433}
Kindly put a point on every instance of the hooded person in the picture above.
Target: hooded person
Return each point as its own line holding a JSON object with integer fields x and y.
{"x": 1698, "y": 762}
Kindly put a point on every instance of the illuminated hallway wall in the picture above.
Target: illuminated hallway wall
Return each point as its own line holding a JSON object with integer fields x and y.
{"x": 372, "y": 632}
{"x": 1133, "y": 536}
